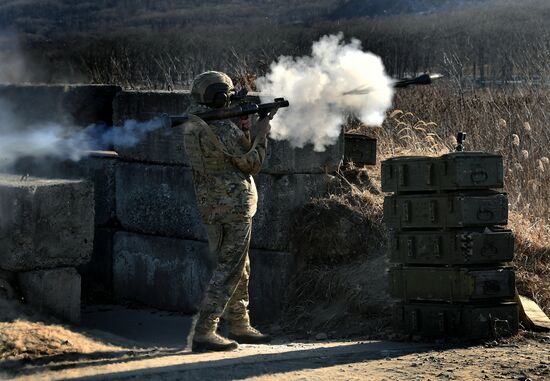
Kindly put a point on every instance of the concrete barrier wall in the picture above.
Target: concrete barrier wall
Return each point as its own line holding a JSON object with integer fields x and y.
{"x": 77, "y": 105}
{"x": 54, "y": 291}
{"x": 150, "y": 245}
{"x": 44, "y": 223}
{"x": 54, "y": 221}
{"x": 172, "y": 274}
{"x": 163, "y": 146}
{"x": 160, "y": 199}
{"x": 46, "y": 230}
{"x": 98, "y": 168}
{"x": 156, "y": 206}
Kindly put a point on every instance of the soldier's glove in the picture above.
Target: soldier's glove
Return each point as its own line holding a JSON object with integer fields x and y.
{"x": 263, "y": 127}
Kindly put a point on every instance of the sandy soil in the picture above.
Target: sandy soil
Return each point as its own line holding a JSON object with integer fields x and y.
{"x": 150, "y": 345}
{"x": 522, "y": 359}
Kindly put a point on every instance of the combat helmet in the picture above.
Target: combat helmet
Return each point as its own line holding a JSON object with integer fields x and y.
{"x": 212, "y": 88}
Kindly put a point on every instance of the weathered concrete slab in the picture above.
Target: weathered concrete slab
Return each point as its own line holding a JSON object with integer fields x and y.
{"x": 270, "y": 275}
{"x": 90, "y": 104}
{"x": 54, "y": 291}
{"x": 165, "y": 273}
{"x": 8, "y": 281}
{"x": 97, "y": 275}
{"x": 282, "y": 158}
{"x": 79, "y": 105}
{"x": 160, "y": 146}
{"x": 156, "y": 199}
{"x": 45, "y": 223}
{"x": 173, "y": 274}
{"x": 98, "y": 168}
{"x": 279, "y": 198}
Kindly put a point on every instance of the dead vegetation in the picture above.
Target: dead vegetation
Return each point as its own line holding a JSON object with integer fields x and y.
{"x": 26, "y": 335}
{"x": 342, "y": 243}
{"x": 339, "y": 242}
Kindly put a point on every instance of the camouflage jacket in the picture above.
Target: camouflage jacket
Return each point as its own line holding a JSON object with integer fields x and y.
{"x": 224, "y": 187}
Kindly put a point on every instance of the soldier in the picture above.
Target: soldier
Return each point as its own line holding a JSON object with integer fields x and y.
{"x": 223, "y": 158}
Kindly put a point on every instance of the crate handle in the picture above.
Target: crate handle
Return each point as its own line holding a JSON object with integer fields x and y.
{"x": 410, "y": 247}
{"x": 433, "y": 211}
{"x": 429, "y": 173}
{"x": 479, "y": 176}
{"x": 402, "y": 175}
{"x": 406, "y": 211}
{"x": 485, "y": 215}
{"x": 437, "y": 247}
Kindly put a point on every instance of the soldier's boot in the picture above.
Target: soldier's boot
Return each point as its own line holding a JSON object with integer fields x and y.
{"x": 211, "y": 341}
{"x": 244, "y": 333}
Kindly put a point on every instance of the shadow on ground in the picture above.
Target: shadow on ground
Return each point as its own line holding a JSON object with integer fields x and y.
{"x": 170, "y": 364}
{"x": 152, "y": 344}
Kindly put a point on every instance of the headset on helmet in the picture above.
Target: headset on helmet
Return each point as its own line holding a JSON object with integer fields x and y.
{"x": 213, "y": 89}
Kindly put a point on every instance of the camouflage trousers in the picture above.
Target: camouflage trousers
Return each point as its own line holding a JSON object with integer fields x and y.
{"x": 227, "y": 292}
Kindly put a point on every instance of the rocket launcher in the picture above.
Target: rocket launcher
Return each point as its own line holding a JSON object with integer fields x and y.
{"x": 242, "y": 110}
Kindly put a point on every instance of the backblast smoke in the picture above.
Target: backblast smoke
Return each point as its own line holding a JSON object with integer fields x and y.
{"x": 18, "y": 139}
{"x": 337, "y": 80}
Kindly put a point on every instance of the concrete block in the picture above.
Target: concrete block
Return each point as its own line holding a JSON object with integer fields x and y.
{"x": 160, "y": 146}
{"x": 160, "y": 272}
{"x": 173, "y": 274}
{"x": 8, "y": 280}
{"x": 156, "y": 199}
{"x": 54, "y": 291}
{"x": 98, "y": 168}
{"x": 45, "y": 223}
{"x": 89, "y": 104}
{"x": 78, "y": 105}
{"x": 281, "y": 158}
{"x": 270, "y": 275}
{"x": 97, "y": 275}
{"x": 279, "y": 198}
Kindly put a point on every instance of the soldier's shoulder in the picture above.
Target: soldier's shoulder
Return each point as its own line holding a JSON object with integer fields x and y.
{"x": 227, "y": 130}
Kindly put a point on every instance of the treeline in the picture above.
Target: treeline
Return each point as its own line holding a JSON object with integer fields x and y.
{"x": 44, "y": 18}
{"x": 494, "y": 42}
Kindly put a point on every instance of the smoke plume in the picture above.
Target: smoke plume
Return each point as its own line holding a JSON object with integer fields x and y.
{"x": 18, "y": 139}
{"x": 338, "y": 79}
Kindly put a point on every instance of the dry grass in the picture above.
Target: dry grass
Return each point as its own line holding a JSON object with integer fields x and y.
{"x": 338, "y": 292}
{"x": 532, "y": 258}
{"x": 340, "y": 245}
{"x": 25, "y": 335}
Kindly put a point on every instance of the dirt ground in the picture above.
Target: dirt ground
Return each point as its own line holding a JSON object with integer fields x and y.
{"x": 520, "y": 359}
{"x": 118, "y": 343}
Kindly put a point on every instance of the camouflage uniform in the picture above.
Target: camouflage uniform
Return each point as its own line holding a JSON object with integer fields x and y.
{"x": 227, "y": 198}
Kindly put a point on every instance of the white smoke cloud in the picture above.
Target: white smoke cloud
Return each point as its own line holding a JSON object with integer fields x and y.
{"x": 337, "y": 79}
{"x": 18, "y": 139}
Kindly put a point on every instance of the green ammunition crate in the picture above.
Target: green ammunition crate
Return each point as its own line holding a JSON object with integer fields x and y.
{"x": 456, "y": 247}
{"x": 452, "y": 284}
{"x": 456, "y": 320}
{"x": 359, "y": 149}
{"x": 454, "y": 171}
{"x": 439, "y": 211}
